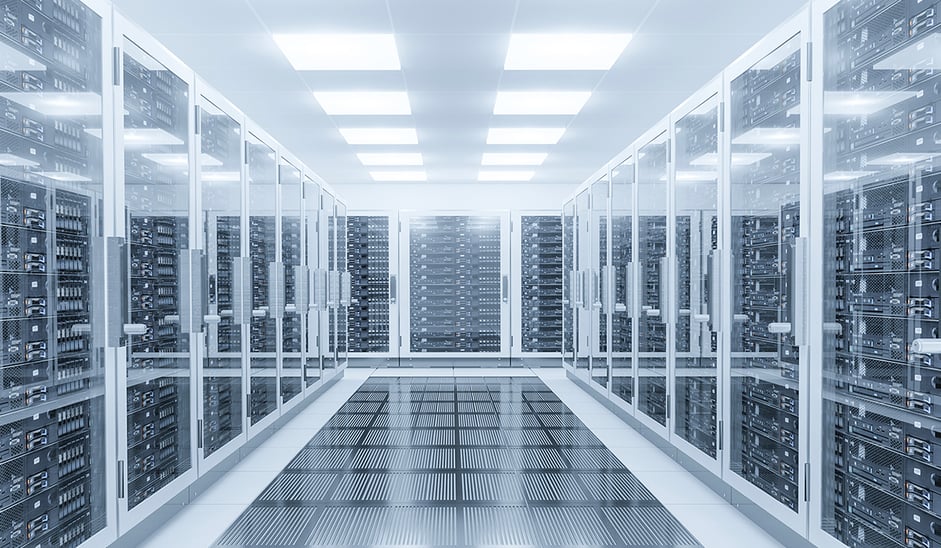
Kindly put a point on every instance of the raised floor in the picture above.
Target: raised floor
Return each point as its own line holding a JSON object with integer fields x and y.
{"x": 458, "y": 457}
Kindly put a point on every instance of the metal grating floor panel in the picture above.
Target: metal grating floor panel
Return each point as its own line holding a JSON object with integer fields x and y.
{"x": 462, "y": 462}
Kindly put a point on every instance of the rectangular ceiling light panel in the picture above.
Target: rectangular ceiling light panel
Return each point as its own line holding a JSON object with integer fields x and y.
{"x": 525, "y": 136}
{"x": 339, "y": 51}
{"x": 565, "y": 51}
{"x": 380, "y": 136}
{"x": 391, "y": 159}
{"x": 567, "y": 103}
{"x": 377, "y": 103}
{"x": 513, "y": 158}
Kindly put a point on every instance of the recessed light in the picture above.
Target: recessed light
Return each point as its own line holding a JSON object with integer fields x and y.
{"x": 513, "y": 159}
{"x": 391, "y": 159}
{"x": 410, "y": 176}
{"x": 339, "y": 51}
{"x": 564, "y": 51}
{"x": 525, "y": 136}
{"x": 505, "y": 175}
{"x": 339, "y": 103}
{"x": 380, "y": 136}
{"x": 541, "y": 102}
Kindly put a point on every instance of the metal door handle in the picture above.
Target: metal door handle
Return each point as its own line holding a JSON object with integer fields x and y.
{"x": 135, "y": 329}
{"x": 629, "y": 289}
{"x": 393, "y": 289}
{"x": 212, "y": 318}
{"x": 800, "y": 291}
{"x": 276, "y": 295}
{"x": 926, "y": 346}
{"x": 664, "y": 288}
{"x": 596, "y": 289}
{"x": 241, "y": 293}
{"x": 715, "y": 290}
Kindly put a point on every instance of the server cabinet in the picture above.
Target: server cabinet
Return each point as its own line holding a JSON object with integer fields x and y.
{"x": 220, "y": 426}
{"x": 622, "y": 276}
{"x": 291, "y": 281}
{"x": 263, "y": 248}
{"x": 373, "y": 313}
{"x": 767, "y": 129}
{"x": 599, "y": 280}
{"x": 458, "y": 302}
{"x": 657, "y": 311}
{"x": 880, "y": 148}
{"x": 313, "y": 243}
{"x": 569, "y": 284}
{"x": 696, "y": 224}
{"x": 157, "y": 383}
{"x": 537, "y": 288}
{"x": 329, "y": 285}
{"x": 341, "y": 333}
{"x": 55, "y": 209}
{"x": 583, "y": 304}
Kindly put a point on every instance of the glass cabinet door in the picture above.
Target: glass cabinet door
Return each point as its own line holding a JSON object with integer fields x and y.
{"x": 569, "y": 277}
{"x": 330, "y": 283}
{"x": 293, "y": 281}
{"x": 312, "y": 244}
{"x": 343, "y": 301}
{"x": 696, "y": 229}
{"x": 622, "y": 277}
{"x": 600, "y": 319}
{"x": 881, "y": 249}
{"x": 220, "y": 177}
{"x": 766, "y": 205}
{"x": 262, "y": 253}
{"x": 582, "y": 281}
{"x": 653, "y": 269}
{"x": 53, "y": 198}
{"x": 157, "y": 167}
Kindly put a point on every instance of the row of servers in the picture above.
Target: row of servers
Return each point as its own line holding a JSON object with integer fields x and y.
{"x": 755, "y": 280}
{"x": 463, "y": 286}
{"x": 182, "y": 269}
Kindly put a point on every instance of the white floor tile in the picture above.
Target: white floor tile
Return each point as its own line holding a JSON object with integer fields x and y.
{"x": 267, "y": 458}
{"x": 718, "y": 526}
{"x": 237, "y": 487}
{"x": 678, "y": 488}
{"x": 195, "y": 526}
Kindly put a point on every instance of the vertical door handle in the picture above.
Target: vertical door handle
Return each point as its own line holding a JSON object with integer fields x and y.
{"x": 346, "y": 288}
{"x": 393, "y": 289}
{"x": 664, "y": 289}
{"x": 276, "y": 302}
{"x": 629, "y": 288}
{"x": 800, "y": 291}
{"x": 505, "y": 288}
{"x": 596, "y": 288}
{"x": 241, "y": 290}
{"x": 118, "y": 295}
{"x": 715, "y": 290}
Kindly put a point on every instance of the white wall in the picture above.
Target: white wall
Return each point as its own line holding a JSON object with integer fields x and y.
{"x": 476, "y": 196}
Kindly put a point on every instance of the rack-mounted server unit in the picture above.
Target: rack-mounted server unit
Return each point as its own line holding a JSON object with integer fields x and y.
{"x": 541, "y": 283}
{"x": 368, "y": 263}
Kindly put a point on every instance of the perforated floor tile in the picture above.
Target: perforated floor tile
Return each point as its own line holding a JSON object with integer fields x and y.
{"x": 462, "y": 462}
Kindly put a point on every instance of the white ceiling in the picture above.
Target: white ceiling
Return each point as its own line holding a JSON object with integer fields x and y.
{"x": 452, "y": 54}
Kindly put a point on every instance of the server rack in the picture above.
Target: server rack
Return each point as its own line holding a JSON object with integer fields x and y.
{"x": 698, "y": 226}
{"x": 221, "y": 425}
{"x": 537, "y": 287}
{"x": 768, "y": 130}
{"x": 291, "y": 274}
{"x": 582, "y": 314}
{"x": 263, "y": 251}
{"x": 569, "y": 284}
{"x": 344, "y": 286}
{"x": 622, "y": 276}
{"x": 658, "y": 312}
{"x": 314, "y": 242}
{"x": 598, "y": 279}
{"x": 878, "y": 90}
{"x": 457, "y": 270}
{"x": 54, "y": 195}
{"x": 328, "y": 285}
{"x": 373, "y": 313}
{"x": 157, "y": 375}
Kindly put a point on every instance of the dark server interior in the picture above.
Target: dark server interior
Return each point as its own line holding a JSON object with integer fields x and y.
{"x": 292, "y": 320}
{"x": 368, "y": 258}
{"x": 882, "y": 244}
{"x": 765, "y": 225}
{"x": 541, "y": 283}
{"x": 455, "y": 285}
{"x": 157, "y": 197}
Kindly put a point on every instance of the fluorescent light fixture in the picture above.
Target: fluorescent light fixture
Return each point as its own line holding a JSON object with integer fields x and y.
{"x": 220, "y": 176}
{"x": 13, "y": 60}
{"x": 66, "y": 176}
{"x": 862, "y": 103}
{"x": 58, "y": 104}
{"x": 920, "y": 55}
{"x": 179, "y": 159}
{"x": 391, "y": 159}
{"x": 380, "y": 136}
{"x": 564, "y": 51}
{"x": 903, "y": 158}
{"x": 696, "y": 176}
{"x": 338, "y": 103}
{"x": 541, "y": 102}
{"x": 410, "y": 176}
{"x": 711, "y": 159}
{"x": 840, "y": 176}
{"x": 339, "y": 51}
{"x": 505, "y": 175}
{"x": 769, "y": 136}
{"x": 513, "y": 158}
{"x": 7, "y": 159}
{"x": 525, "y": 136}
